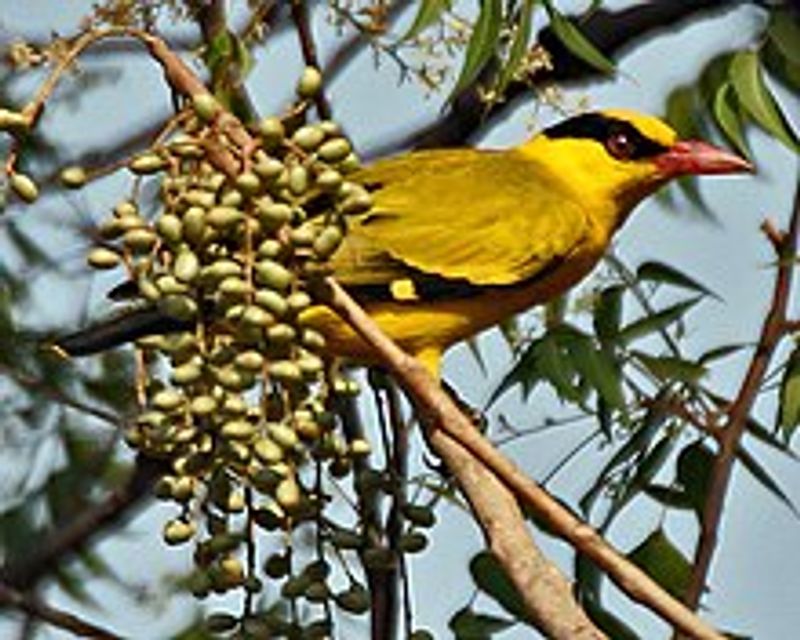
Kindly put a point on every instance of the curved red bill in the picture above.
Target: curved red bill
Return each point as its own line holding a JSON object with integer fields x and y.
{"x": 695, "y": 157}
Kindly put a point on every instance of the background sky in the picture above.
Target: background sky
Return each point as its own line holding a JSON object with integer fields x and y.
{"x": 755, "y": 580}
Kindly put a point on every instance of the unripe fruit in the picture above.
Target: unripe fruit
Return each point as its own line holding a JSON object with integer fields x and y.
{"x": 170, "y": 227}
{"x": 288, "y": 494}
{"x": 24, "y": 187}
{"x": 187, "y": 266}
{"x": 271, "y": 130}
{"x": 147, "y": 163}
{"x": 103, "y": 258}
{"x": 178, "y": 531}
{"x": 273, "y": 275}
{"x": 73, "y": 177}
{"x": 308, "y": 137}
{"x": 205, "y": 106}
{"x": 334, "y": 150}
{"x": 327, "y": 242}
{"x": 310, "y": 83}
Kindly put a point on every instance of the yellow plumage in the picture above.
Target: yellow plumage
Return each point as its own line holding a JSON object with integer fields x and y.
{"x": 494, "y": 232}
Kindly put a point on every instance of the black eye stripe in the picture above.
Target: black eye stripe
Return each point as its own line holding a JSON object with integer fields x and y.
{"x": 596, "y": 126}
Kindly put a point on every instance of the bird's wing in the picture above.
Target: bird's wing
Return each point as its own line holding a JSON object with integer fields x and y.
{"x": 477, "y": 217}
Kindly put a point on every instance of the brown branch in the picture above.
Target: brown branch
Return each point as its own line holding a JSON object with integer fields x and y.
{"x": 71, "y": 537}
{"x": 772, "y": 331}
{"x": 46, "y": 389}
{"x": 613, "y": 32}
{"x": 309, "y": 49}
{"x": 10, "y": 597}
{"x": 447, "y": 423}
{"x": 547, "y": 594}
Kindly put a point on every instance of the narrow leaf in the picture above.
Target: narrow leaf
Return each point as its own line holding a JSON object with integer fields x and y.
{"x": 482, "y": 44}
{"x": 754, "y": 95}
{"x": 764, "y": 478}
{"x": 664, "y": 562}
{"x": 656, "y": 322}
{"x": 429, "y": 12}
{"x": 613, "y": 626}
{"x": 608, "y": 313}
{"x": 662, "y": 273}
{"x": 467, "y": 624}
{"x": 693, "y": 473}
{"x": 728, "y": 117}
{"x": 669, "y": 496}
{"x": 519, "y": 45}
{"x": 599, "y": 370}
{"x": 784, "y": 32}
{"x": 577, "y": 43}
{"x": 667, "y": 368}
{"x": 789, "y": 397}
{"x": 767, "y": 437}
{"x": 490, "y": 577}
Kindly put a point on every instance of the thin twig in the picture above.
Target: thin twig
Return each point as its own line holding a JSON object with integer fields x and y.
{"x": 34, "y": 607}
{"x": 44, "y": 388}
{"x": 308, "y": 47}
{"x": 772, "y": 331}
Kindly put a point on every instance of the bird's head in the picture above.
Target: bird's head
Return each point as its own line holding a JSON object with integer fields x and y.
{"x": 626, "y": 156}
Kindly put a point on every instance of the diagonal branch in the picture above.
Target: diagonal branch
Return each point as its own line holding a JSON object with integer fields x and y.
{"x": 613, "y": 32}
{"x": 35, "y": 608}
{"x": 71, "y": 537}
{"x": 773, "y": 330}
{"x": 446, "y": 423}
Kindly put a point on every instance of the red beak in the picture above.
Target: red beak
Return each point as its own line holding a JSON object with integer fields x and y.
{"x": 694, "y": 157}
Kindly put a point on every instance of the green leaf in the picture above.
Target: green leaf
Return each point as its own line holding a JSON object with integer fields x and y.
{"x": 577, "y": 43}
{"x": 490, "y": 577}
{"x": 681, "y": 111}
{"x": 789, "y": 397}
{"x": 767, "y": 437}
{"x": 658, "y": 321}
{"x": 693, "y": 473}
{"x": 638, "y": 442}
{"x": 613, "y": 626}
{"x": 519, "y": 46}
{"x": 646, "y": 469}
{"x": 588, "y": 578}
{"x": 667, "y": 368}
{"x": 429, "y": 11}
{"x": 669, "y": 496}
{"x": 764, "y": 478}
{"x": 599, "y": 369}
{"x": 554, "y": 366}
{"x": 608, "y": 313}
{"x": 755, "y": 97}
{"x": 482, "y": 44}
{"x": 663, "y": 562}
{"x": 466, "y": 624}
{"x": 717, "y": 353}
{"x": 784, "y": 33}
{"x": 662, "y": 273}
{"x": 728, "y": 116}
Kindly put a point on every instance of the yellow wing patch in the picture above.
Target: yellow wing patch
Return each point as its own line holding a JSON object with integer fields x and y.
{"x": 488, "y": 218}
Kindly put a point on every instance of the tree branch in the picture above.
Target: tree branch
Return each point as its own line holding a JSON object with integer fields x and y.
{"x": 773, "y": 330}
{"x": 34, "y": 607}
{"x": 613, "y": 32}
{"x": 443, "y": 417}
{"x": 71, "y": 537}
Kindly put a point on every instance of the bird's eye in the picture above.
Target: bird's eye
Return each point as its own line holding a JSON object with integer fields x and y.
{"x": 620, "y": 145}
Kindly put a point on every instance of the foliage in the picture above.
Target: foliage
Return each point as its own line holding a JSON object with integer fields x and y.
{"x": 616, "y": 358}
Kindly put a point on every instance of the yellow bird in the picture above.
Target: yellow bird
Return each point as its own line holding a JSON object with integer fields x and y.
{"x": 460, "y": 239}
